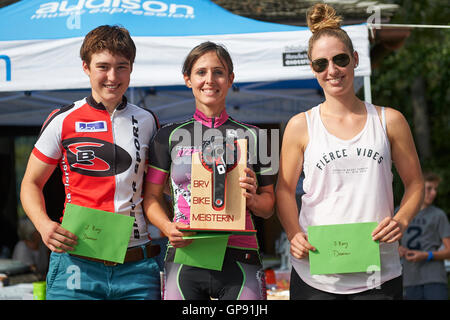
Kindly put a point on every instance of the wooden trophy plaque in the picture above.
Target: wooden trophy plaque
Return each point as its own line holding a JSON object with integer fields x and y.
{"x": 205, "y": 214}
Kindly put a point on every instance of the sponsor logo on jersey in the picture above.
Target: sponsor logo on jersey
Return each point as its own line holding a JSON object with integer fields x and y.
{"x": 95, "y": 157}
{"x": 96, "y": 126}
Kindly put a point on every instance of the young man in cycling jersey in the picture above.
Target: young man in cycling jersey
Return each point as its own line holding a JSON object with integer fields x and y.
{"x": 101, "y": 145}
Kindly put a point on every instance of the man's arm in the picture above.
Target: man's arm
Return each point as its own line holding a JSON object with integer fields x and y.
{"x": 53, "y": 235}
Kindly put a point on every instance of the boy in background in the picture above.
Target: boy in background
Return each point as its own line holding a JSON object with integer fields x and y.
{"x": 424, "y": 275}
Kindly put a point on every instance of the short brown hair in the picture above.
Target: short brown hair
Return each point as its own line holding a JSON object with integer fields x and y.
{"x": 115, "y": 39}
{"x": 323, "y": 21}
{"x": 431, "y": 177}
{"x": 203, "y": 48}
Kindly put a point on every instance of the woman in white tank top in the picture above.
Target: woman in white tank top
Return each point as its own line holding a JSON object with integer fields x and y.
{"x": 345, "y": 147}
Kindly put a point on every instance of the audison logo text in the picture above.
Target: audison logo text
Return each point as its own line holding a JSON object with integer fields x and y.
{"x": 95, "y": 157}
{"x": 55, "y": 9}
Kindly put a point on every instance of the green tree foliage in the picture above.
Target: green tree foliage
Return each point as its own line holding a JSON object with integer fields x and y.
{"x": 425, "y": 54}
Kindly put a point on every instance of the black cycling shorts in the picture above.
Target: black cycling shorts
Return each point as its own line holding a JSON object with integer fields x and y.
{"x": 242, "y": 278}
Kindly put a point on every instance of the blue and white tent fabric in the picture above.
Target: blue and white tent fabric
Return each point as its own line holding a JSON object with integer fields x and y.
{"x": 40, "y": 42}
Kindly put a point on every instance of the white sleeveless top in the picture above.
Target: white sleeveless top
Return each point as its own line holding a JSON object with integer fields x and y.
{"x": 348, "y": 181}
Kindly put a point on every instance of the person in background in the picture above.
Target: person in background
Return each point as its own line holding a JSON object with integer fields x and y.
{"x": 346, "y": 148}
{"x": 424, "y": 275}
{"x": 30, "y": 250}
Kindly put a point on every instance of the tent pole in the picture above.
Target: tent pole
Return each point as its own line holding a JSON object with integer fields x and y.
{"x": 367, "y": 89}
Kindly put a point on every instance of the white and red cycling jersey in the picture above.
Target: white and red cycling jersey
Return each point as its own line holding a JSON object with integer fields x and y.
{"x": 102, "y": 157}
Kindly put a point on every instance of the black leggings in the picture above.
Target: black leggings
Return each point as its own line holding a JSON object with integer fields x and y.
{"x": 390, "y": 290}
{"x": 242, "y": 278}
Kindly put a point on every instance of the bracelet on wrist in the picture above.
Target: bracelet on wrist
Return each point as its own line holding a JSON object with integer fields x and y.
{"x": 430, "y": 256}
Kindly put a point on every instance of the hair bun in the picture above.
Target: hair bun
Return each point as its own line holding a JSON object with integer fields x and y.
{"x": 322, "y": 16}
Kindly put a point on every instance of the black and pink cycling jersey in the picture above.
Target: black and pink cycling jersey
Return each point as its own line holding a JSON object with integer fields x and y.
{"x": 171, "y": 153}
{"x": 102, "y": 157}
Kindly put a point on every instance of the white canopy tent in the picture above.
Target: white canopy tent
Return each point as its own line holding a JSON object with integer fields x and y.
{"x": 40, "y": 68}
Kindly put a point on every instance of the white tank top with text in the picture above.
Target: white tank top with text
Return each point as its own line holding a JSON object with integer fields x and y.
{"x": 348, "y": 181}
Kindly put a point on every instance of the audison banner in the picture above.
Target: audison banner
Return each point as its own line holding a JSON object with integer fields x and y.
{"x": 40, "y": 42}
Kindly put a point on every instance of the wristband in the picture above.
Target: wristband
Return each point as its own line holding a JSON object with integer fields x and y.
{"x": 430, "y": 256}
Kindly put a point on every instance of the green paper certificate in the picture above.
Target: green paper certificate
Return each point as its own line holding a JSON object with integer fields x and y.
{"x": 206, "y": 251}
{"x": 343, "y": 248}
{"x": 101, "y": 234}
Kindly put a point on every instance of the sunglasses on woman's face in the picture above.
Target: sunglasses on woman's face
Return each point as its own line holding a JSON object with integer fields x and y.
{"x": 341, "y": 60}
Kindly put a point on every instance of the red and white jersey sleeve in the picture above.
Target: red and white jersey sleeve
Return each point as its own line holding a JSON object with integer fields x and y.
{"x": 102, "y": 157}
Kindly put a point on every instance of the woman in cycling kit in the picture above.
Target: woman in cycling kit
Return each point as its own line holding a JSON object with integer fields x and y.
{"x": 208, "y": 70}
